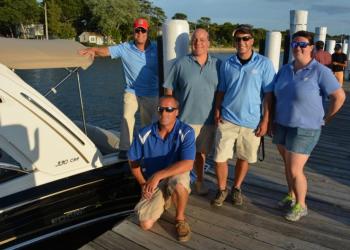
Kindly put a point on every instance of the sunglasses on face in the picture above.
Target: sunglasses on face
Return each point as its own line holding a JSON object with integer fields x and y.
{"x": 302, "y": 45}
{"x": 243, "y": 38}
{"x": 166, "y": 109}
{"x": 138, "y": 30}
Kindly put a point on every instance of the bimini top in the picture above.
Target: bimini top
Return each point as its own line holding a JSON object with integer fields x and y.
{"x": 42, "y": 54}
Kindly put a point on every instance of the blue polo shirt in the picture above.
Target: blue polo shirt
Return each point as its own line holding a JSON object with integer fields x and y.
{"x": 244, "y": 87}
{"x": 299, "y": 94}
{"x": 140, "y": 68}
{"x": 194, "y": 87}
{"x": 155, "y": 153}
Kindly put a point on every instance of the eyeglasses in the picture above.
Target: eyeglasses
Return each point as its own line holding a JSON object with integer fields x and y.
{"x": 138, "y": 30}
{"x": 302, "y": 45}
{"x": 167, "y": 109}
{"x": 244, "y": 38}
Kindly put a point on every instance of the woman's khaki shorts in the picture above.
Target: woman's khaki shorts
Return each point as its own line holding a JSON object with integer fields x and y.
{"x": 205, "y": 137}
{"x": 229, "y": 134}
{"x": 152, "y": 209}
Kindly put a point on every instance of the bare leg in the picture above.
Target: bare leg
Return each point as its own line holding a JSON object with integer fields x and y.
{"x": 199, "y": 166}
{"x": 296, "y": 163}
{"x": 241, "y": 170}
{"x": 283, "y": 153}
{"x": 181, "y": 196}
{"x": 221, "y": 174}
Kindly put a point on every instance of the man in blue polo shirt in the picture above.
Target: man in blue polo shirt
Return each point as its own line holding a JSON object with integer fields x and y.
{"x": 242, "y": 106}
{"x": 192, "y": 78}
{"x": 161, "y": 156}
{"x": 140, "y": 63}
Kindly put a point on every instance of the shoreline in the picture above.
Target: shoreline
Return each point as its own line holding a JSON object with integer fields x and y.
{"x": 222, "y": 50}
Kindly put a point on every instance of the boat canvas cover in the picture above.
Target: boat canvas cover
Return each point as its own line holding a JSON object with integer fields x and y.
{"x": 42, "y": 54}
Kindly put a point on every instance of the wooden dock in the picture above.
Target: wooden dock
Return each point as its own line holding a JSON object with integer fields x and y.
{"x": 259, "y": 224}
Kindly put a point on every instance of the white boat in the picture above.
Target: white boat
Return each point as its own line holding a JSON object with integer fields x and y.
{"x": 59, "y": 178}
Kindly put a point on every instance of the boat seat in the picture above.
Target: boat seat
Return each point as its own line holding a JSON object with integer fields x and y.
{"x": 107, "y": 141}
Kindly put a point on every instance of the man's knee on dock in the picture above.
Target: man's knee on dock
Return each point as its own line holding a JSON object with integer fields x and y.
{"x": 147, "y": 224}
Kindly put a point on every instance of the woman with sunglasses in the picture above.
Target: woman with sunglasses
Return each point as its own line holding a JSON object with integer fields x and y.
{"x": 299, "y": 89}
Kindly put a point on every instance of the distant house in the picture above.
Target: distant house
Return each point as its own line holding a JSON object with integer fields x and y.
{"x": 91, "y": 37}
{"x": 31, "y": 31}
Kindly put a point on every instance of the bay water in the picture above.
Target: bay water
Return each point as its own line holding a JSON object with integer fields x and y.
{"x": 102, "y": 86}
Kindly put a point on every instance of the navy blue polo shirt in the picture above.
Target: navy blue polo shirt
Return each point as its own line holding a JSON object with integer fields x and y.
{"x": 155, "y": 153}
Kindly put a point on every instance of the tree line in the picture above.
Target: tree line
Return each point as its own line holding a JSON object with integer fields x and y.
{"x": 111, "y": 18}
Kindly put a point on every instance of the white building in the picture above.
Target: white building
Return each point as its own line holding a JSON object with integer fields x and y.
{"x": 91, "y": 37}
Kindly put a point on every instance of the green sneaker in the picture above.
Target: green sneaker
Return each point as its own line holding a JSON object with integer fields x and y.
{"x": 220, "y": 198}
{"x": 287, "y": 202}
{"x": 296, "y": 212}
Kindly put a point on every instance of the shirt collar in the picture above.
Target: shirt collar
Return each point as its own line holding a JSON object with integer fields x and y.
{"x": 156, "y": 133}
{"x": 235, "y": 58}
{"x": 150, "y": 46}
{"x": 209, "y": 58}
{"x": 307, "y": 67}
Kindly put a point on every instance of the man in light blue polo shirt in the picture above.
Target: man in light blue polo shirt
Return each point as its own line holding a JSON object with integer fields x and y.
{"x": 161, "y": 156}
{"x": 242, "y": 106}
{"x": 140, "y": 63}
{"x": 193, "y": 81}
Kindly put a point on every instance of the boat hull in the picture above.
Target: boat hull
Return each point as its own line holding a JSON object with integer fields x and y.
{"x": 66, "y": 203}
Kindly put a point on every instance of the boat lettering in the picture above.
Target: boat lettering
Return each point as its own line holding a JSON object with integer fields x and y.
{"x": 68, "y": 215}
{"x": 64, "y": 162}
{"x": 74, "y": 159}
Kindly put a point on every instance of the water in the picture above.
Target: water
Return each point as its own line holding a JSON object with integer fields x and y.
{"x": 102, "y": 87}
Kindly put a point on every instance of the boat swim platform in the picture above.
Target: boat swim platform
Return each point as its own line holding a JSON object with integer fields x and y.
{"x": 259, "y": 224}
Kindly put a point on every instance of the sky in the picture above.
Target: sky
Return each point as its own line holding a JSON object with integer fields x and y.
{"x": 267, "y": 14}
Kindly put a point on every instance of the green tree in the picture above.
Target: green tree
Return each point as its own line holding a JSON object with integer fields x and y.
{"x": 58, "y": 26}
{"x": 15, "y": 14}
{"x": 75, "y": 13}
{"x": 204, "y": 22}
{"x": 110, "y": 15}
{"x": 154, "y": 14}
{"x": 180, "y": 16}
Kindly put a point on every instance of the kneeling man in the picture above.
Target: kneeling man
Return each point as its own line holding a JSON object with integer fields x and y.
{"x": 161, "y": 157}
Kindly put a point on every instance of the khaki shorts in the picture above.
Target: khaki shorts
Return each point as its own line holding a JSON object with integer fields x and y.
{"x": 229, "y": 134}
{"x": 152, "y": 209}
{"x": 205, "y": 137}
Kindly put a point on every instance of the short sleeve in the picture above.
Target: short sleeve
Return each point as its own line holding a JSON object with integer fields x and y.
{"x": 327, "y": 81}
{"x": 135, "y": 152}
{"x": 222, "y": 79}
{"x": 269, "y": 76}
{"x": 171, "y": 79}
{"x": 116, "y": 50}
{"x": 188, "y": 146}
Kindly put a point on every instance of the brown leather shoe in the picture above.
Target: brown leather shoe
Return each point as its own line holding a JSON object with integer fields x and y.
{"x": 183, "y": 230}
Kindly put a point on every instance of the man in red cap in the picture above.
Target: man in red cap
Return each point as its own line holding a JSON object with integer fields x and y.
{"x": 140, "y": 63}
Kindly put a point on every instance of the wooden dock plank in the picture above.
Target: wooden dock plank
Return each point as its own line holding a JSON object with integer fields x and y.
{"x": 241, "y": 229}
{"x": 261, "y": 218}
{"x": 112, "y": 240}
{"x": 147, "y": 239}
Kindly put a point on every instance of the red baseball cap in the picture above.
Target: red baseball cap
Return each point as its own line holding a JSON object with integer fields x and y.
{"x": 141, "y": 22}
